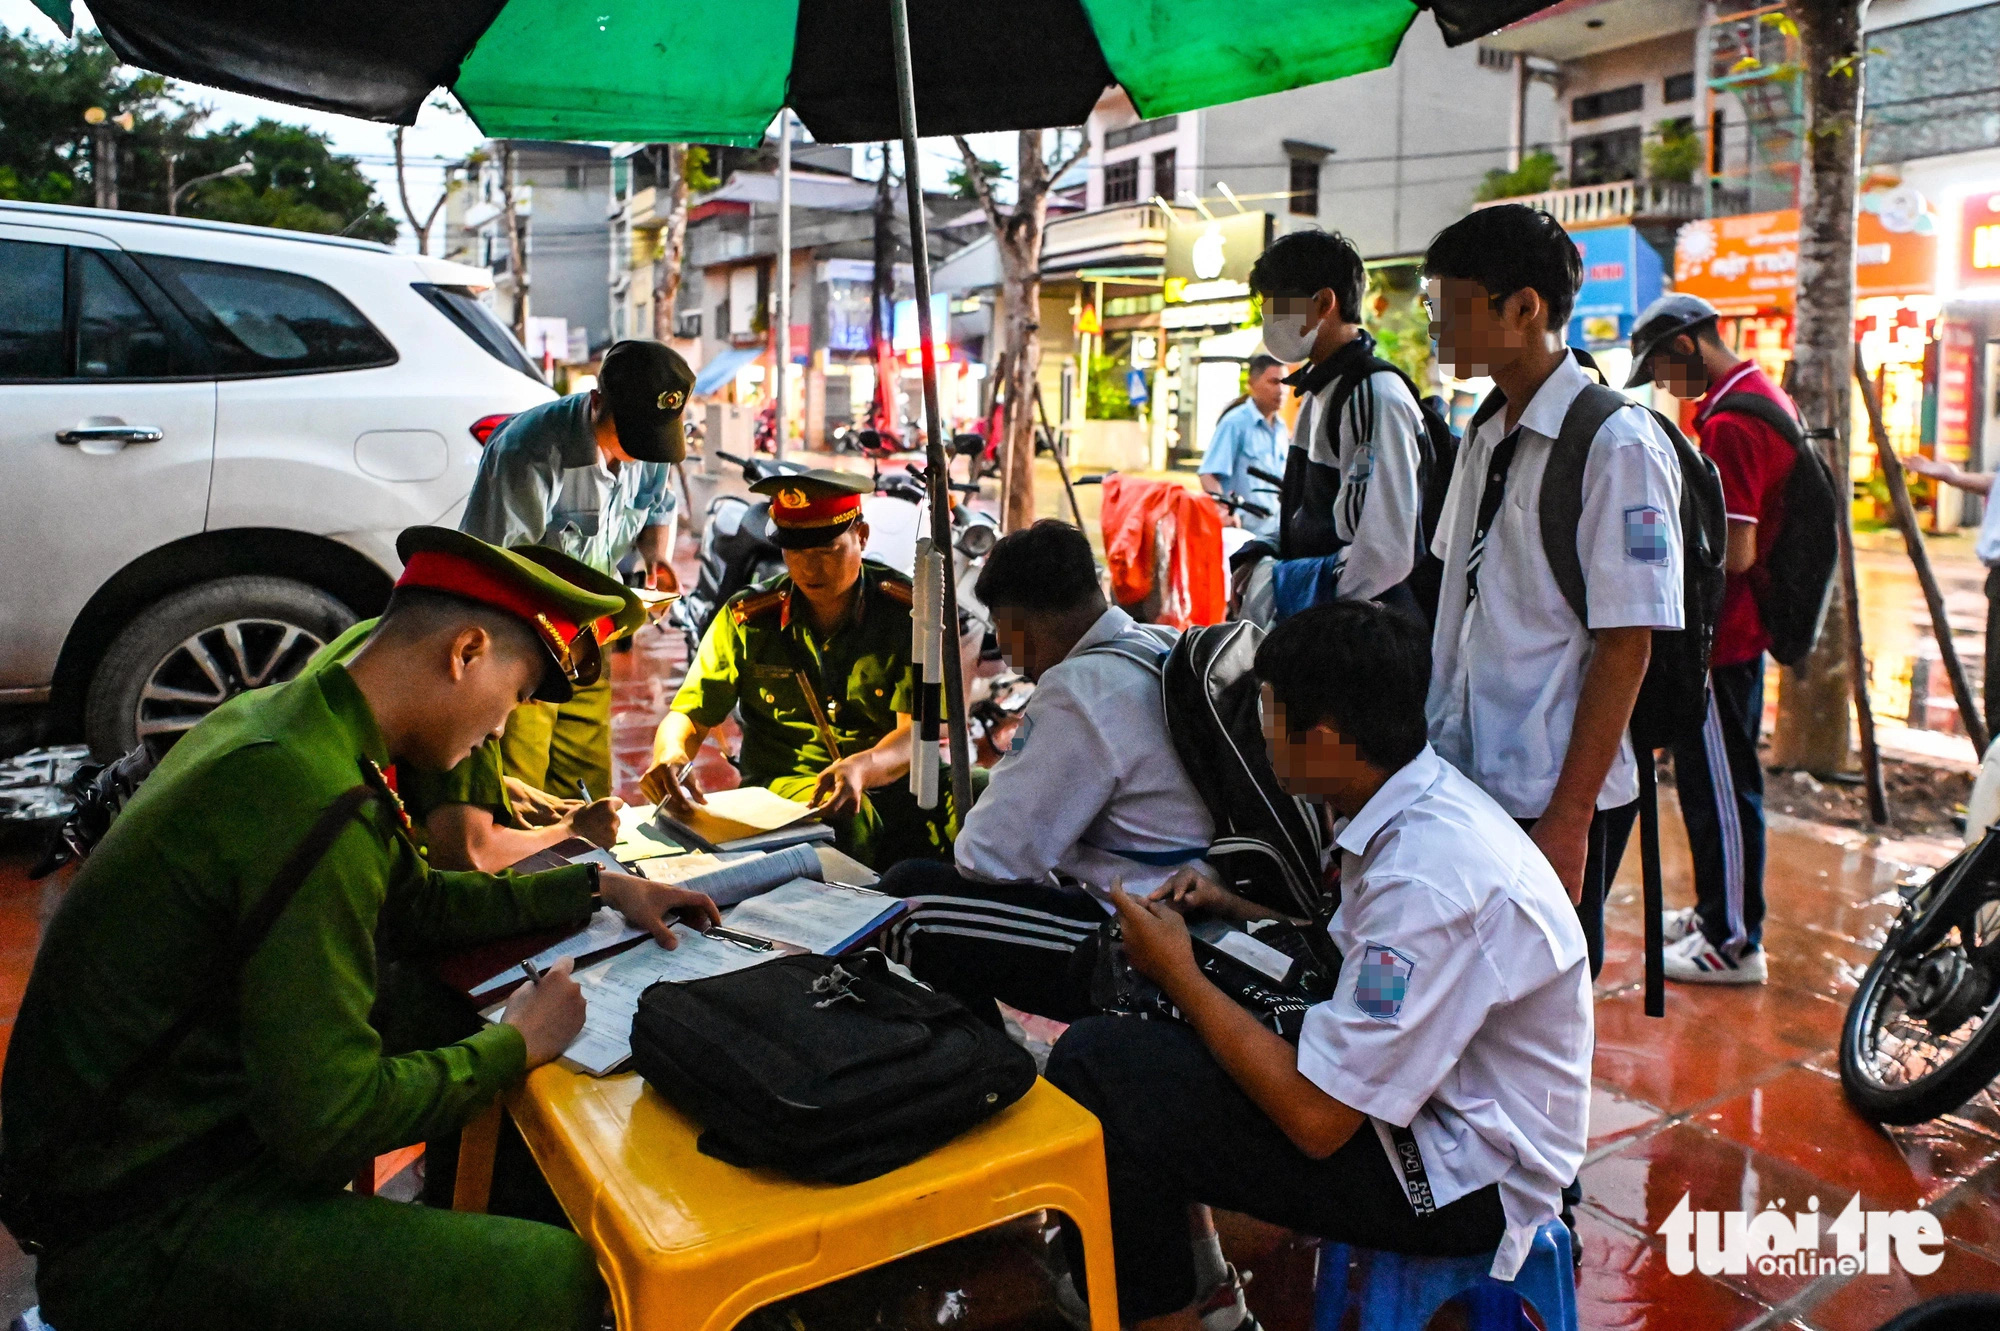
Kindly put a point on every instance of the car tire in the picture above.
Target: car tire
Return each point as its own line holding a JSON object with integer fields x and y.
{"x": 181, "y": 658}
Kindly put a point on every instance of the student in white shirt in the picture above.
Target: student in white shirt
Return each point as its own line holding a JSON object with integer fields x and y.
{"x": 1527, "y": 701}
{"x": 1436, "y": 1103}
{"x": 1091, "y": 791}
{"x": 1352, "y": 499}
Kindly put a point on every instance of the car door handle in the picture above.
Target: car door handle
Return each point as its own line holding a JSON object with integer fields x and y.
{"x": 111, "y": 434}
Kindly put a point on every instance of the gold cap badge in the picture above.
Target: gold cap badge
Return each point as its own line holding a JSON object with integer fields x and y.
{"x": 791, "y": 498}
{"x": 672, "y": 399}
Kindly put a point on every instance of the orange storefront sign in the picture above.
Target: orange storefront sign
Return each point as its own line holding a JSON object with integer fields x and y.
{"x": 1748, "y": 264}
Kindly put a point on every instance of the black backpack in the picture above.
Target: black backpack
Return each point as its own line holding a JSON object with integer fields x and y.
{"x": 1799, "y": 564}
{"x": 1267, "y": 844}
{"x": 1673, "y": 700}
{"x": 832, "y": 1069}
{"x": 1438, "y": 455}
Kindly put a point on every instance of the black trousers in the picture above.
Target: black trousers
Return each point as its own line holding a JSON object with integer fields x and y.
{"x": 1178, "y": 1130}
{"x": 1610, "y": 829}
{"x": 1030, "y": 947}
{"x": 1721, "y": 785}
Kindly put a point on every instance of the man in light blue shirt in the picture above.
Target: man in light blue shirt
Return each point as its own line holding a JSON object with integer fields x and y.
{"x": 1248, "y": 436}
{"x": 587, "y": 475}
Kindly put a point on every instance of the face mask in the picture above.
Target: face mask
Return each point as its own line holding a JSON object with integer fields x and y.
{"x": 1283, "y": 339}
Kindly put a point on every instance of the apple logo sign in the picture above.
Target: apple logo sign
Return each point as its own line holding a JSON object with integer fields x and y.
{"x": 1207, "y": 255}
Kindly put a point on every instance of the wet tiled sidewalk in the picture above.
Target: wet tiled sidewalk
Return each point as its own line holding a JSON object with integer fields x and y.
{"x": 1732, "y": 1099}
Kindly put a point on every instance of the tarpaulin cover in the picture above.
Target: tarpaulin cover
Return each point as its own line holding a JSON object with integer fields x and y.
{"x": 678, "y": 71}
{"x": 1163, "y": 547}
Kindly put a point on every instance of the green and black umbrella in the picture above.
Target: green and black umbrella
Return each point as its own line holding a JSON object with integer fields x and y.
{"x": 662, "y": 71}
{"x": 684, "y": 71}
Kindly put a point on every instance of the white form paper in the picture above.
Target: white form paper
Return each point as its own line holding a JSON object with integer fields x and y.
{"x": 607, "y": 928}
{"x": 612, "y": 988}
{"x": 819, "y": 917}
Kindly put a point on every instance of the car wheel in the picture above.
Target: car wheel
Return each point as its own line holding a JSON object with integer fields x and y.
{"x": 182, "y": 658}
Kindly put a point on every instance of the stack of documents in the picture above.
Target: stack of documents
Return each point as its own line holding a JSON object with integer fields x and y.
{"x": 827, "y": 918}
{"x": 746, "y": 818}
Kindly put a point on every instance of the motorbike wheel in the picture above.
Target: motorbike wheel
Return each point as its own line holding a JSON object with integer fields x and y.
{"x": 1922, "y": 1034}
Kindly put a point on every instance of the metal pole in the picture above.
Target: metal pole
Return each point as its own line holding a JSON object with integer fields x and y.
{"x": 784, "y": 276}
{"x": 936, "y": 467}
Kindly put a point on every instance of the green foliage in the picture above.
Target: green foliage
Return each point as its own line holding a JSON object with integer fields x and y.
{"x": 960, "y": 180}
{"x": 45, "y": 146}
{"x": 700, "y": 179}
{"x": 1674, "y": 152}
{"x": 1107, "y": 400}
{"x": 1394, "y": 313}
{"x": 1538, "y": 172}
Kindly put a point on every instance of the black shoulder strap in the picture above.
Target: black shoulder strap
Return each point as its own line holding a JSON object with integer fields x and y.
{"x": 291, "y": 876}
{"x": 1562, "y": 490}
{"x": 1759, "y": 407}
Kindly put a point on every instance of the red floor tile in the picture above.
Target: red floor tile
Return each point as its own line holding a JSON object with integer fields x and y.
{"x": 1678, "y": 1061}
{"x": 1615, "y": 1118}
{"x": 1865, "y": 1301}
{"x": 1623, "y": 1285}
{"x": 1972, "y": 1214}
{"x": 1802, "y": 1118}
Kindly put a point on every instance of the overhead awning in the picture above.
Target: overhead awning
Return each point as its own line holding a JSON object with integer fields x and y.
{"x": 712, "y": 376}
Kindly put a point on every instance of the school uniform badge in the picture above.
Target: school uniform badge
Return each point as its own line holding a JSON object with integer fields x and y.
{"x": 1021, "y": 733}
{"x": 1381, "y": 980}
{"x": 1645, "y": 534}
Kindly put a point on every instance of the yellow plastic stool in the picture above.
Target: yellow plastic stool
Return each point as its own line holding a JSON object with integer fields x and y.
{"x": 690, "y": 1243}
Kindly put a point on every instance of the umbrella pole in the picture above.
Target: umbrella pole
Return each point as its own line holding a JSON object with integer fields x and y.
{"x": 937, "y": 469}
{"x": 784, "y": 278}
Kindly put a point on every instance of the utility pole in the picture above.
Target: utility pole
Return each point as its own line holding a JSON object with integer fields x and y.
{"x": 104, "y": 163}
{"x": 517, "y": 261}
{"x": 882, "y": 303}
{"x": 781, "y": 395}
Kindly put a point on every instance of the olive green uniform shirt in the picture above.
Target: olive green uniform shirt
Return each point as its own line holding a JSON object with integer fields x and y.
{"x": 759, "y": 645}
{"x": 476, "y": 781}
{"x": 149, "y": 918}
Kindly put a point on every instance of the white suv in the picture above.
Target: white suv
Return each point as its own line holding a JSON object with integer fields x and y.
{"x": 209, "y": 438}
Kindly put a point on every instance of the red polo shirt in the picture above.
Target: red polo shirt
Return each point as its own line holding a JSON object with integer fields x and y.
{"x": 1754, "y": 461}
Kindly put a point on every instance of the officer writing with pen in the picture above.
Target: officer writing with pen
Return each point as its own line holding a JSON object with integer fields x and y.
{"x": 197, "y": 1071}
{"x": 816, "y": 665}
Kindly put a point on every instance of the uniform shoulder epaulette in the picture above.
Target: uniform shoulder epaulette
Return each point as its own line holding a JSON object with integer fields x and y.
{"x": 896, "y": 588}
{"x": 739, "y": 611}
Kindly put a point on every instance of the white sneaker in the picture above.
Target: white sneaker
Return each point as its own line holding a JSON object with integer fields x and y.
{"x": 1694, "y": 960}
{"x": 1223, "y": 1308}
{"x": 1678, "y": 924}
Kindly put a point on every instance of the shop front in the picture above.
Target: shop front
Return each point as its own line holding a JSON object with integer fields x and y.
{"x": 1622, "y": 274}
{"x": 1917, "y": 358}
{"x": 1207, "y": 328}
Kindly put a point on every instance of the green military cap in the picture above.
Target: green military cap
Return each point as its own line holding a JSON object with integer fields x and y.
{"x": 632, "y": 615}
{"x": 814, "y": 507}
{"x": 562, "y": 614}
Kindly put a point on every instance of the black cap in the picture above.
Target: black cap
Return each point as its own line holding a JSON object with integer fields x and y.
{"x": 646, "y": 385}
{"x": 1662, "y": 321}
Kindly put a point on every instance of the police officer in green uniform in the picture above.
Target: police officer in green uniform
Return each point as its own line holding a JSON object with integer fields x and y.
{"x": 476, "y": 816}
{"x": 817, "y": 666}
{"x": 193, "y": 1077}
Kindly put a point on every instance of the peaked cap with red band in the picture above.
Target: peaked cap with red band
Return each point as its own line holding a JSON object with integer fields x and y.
{"x": 562, "y": 614}
{"x": 814, "y": 507}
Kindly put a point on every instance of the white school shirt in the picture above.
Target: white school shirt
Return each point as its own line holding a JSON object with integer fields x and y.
{"x": 1506, "y": 670}
{"x": 1463, "y": 1010}
{"x": 1375, "y": 449}
{"x": 1091, "y": 787}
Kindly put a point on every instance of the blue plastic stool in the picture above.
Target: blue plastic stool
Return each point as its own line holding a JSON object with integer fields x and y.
{"x": 1400, "y": 1293}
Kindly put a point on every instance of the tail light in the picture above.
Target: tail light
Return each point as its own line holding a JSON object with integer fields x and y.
{"x": 483, "y": 428}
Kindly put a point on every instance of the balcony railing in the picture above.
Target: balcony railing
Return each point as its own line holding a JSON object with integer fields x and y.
{"x": 1587, "y": 205}
{"x": 1129, "y": 228}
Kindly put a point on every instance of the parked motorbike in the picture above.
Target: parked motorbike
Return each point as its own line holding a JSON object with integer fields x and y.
{"x": 737, "y": 550}
{"x": 1922, "y": 1034}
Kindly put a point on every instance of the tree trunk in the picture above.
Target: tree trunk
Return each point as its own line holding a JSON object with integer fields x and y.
{"x": 1813, "y": 709}
{"x": 673, "y": 244}
{"x": 1023, "y": 295}
{"x": 403, "y": 192}
{"x": 517, "y": 262}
